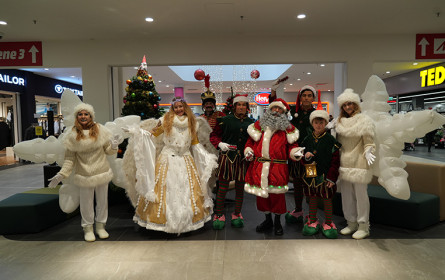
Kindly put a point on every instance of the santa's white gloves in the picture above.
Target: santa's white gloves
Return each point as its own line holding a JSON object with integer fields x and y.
{"x": 54, "y": 181}
{"x": 299, "y": 153}
{"x": 223, "y": 146}
{"x": 249, "y": 155}
{"x": 115, "y": 141}
{"x": 370, "y": 158}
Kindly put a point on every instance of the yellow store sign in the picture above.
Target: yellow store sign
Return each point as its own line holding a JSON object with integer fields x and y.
{"x": 432, "y": 77}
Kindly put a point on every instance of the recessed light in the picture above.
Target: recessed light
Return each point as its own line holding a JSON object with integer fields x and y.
{"x": 149, "y": 19}
{"x": 298, "y": 79}
{"x": 291, "y": 84}
{"x": 167, "y": 86}
{"x": 308, "y": 73}
{"x": 415, "y": 63}
{"x": 387, "y": 72}
{"x": 159, "y": 81}
{"x": 322, "y": 65}
{"x": 73, "y": 76}
{"x": 46, "y": 69}
{"x": 3, "y": 22}
{"x": 301, "y": 16}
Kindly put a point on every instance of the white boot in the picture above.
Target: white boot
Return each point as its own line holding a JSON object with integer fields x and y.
{"x": 362, "y": 232}
{"x": 350, "y": 229}
{"x": 100, "y": 230}
{"x": 88, "y": 233}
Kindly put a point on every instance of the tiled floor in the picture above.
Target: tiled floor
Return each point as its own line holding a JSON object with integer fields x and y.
{"x": 135, "y": 253}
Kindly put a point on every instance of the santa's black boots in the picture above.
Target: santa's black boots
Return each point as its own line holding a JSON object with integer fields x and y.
{"x": 277, "y": 225}
{"x": 266, "y": 224}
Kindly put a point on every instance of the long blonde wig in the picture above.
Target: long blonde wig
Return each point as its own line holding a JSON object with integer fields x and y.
{"x": 92, "y": 127}
{"x": 169, "y": 116}
{"x": 343, "y": 113}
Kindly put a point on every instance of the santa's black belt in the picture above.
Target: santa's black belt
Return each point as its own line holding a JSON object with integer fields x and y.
{"x": 263, "y": 160}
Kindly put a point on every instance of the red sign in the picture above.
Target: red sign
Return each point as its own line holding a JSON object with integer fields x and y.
{"x": 262, "y": 98}
{"x": 21, "y": 54}
{"x": 430, "y": 46}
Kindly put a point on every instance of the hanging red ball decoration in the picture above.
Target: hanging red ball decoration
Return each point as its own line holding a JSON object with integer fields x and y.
{"x": 255, "y": 74}
{"x": 199, "y": 74}
{"x": 128, "y": 82}
{"x": 155, "y": 106}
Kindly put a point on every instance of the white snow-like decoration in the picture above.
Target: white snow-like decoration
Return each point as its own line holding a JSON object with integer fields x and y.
{"x": 391, "y": 133}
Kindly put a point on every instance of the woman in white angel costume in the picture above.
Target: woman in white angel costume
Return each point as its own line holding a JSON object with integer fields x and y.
{"x": 356, "y": 132}
{"x": 87, "y": 145}
{"x": 168, "y": 171}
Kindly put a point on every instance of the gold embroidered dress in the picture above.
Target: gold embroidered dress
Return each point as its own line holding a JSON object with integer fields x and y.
{"x": 174, "y": 198}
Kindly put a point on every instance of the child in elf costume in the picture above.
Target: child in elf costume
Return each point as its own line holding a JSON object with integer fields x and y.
{"x": 321, "y": 162}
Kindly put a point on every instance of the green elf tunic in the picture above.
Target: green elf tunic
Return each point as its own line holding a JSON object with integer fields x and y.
{"x": 232, "y": 130}
{"x": 327, "y": 159}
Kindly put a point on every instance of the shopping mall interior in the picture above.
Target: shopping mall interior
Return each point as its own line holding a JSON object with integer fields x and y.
{"x": 92, "y": 48}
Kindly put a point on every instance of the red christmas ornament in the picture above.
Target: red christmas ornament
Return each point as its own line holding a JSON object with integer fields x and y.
{"x": 155, "y": 106}
{"x": 145, "y": 81}
{"x": 128, "y": 82}
{"x": 199, "y": 74}
{"x": 255, "y": 74}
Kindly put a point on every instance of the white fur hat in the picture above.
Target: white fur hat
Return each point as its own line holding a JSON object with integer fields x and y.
{"x": 319, "y": 114}
{"x": 86, "y": 107}
{"x": 348, "y": 96}
{"x": 308, "y": 87}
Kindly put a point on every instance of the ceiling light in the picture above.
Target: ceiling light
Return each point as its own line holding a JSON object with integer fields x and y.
{"x": 149, "y": 19}
{"x": 73, "y": 76}
{"x": 3, "y": 22}
{"x": 308, "y": 73}
{"x": 415, "y": 63}
{"x": 387, "y": 72}
{"x": 298, "y": 79}
{"x": 167, "y": 86}
{"x": 291, "y": 84}
{"x": 301, "y": 16}
{"x": 46, "y": 69}
{"x": 322, "y": 65}
{"x": 159, "y": 81}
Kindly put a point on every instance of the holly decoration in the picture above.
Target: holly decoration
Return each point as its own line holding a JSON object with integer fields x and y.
{"x": 142, "y": 98}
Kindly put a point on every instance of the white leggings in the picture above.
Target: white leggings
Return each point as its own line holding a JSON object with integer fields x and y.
{"x": 87, "y": 204}
{"x": 355, "y": 201}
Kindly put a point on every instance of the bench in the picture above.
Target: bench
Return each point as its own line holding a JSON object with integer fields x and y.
{"x": 31, "y": 211}
{"x": 419, "y": 211}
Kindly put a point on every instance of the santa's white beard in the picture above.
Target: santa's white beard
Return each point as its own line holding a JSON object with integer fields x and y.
{"x": 274, "y": 120}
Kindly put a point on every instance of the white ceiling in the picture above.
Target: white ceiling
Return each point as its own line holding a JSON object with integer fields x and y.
{"x": 54, "y": 20}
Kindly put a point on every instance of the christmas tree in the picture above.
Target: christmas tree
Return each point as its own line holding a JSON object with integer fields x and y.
{"x": 141, "y": 98}
{"x": 228, "y": 108}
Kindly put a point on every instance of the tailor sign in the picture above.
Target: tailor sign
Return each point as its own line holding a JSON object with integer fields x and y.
{"x": 432, "y": 77}
{"x": 262, "y": 98}
{"x": 430, "y": 46}
{"x": 21, "y": 54}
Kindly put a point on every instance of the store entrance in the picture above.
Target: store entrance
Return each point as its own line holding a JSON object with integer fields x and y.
{"x": 9, "y": 124}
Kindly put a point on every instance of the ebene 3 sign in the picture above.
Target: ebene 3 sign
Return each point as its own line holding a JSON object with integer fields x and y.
{"x": 432, "y": 77}
{"x": 262, "y": 98}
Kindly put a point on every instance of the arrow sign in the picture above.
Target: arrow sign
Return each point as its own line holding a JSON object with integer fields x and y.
{"x": 430, "y": 46}
{"x": 21, "y": 54}
{"x": 423, "y": 43}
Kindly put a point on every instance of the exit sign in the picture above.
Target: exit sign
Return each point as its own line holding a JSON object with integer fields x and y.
{"x": 430, "y": 46}
{"x": 21, "y": 54}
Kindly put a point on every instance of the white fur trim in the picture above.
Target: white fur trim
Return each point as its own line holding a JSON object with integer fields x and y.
{"x": 355, "y": 175}
{"x": 357, "y": 125}
{"x": 296, "y": 115}
{"x": 88, "y": 143}
{"x": 240, "y": 98}
{"x": 309, "y": 88}
{"x": 91, "y": 181}
{"x": 253, "y": 132}
{"x": 319, "y": 114}
{"x": 264, "y": 192}
{"x": 293, "y": 136}
{"x": 277, "y": 104}
{"x": 84, "y": 106}
{"x": 348, "y": 96}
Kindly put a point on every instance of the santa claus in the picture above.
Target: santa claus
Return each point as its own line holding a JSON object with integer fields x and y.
{"x": 273, "y": 140}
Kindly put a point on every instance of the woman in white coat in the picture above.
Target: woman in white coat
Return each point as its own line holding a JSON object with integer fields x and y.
{"x": 86, "y": 146}
{"x": 356, "y": 132}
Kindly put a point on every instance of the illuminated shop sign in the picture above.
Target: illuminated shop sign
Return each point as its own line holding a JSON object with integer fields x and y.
{"x": 59, "y": 89}
{"x": 14, "y": 80}
{"x": 262, "y": 98}
{"x": 432, "y": 77}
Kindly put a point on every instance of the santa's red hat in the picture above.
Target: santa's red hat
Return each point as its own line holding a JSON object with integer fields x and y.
{"x": 280, "y": 103}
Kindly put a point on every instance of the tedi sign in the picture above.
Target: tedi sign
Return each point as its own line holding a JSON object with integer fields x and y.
{"x": 432, "y": 77}
{"x": 14, "y": 80}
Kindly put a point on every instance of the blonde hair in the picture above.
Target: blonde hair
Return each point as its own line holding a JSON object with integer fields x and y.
{"x": 168, "y": 119}
{"x": 343, "y": 113}
{"x": 92, "y": 127}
